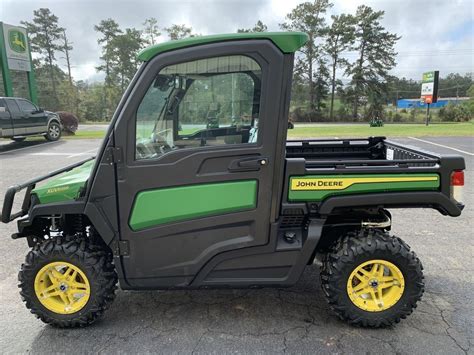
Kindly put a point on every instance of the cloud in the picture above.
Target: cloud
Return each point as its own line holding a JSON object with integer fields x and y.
{"x": 435, "y": 34}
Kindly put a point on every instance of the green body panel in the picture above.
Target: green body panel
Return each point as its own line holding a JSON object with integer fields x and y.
{"x": 431, "y": 182}
{"x": 155, "y": 207}
{"x": 65, "y": 186}
{"x": 288, "y": 42}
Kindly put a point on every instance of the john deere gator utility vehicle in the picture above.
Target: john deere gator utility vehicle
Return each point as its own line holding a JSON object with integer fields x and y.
{"x": 196, "y": 186}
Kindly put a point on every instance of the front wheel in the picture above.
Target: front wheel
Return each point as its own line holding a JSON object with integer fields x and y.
{"x": 54, "y": 131}
{"x": 67, "y": 283}
{"x": 372, "y": 279}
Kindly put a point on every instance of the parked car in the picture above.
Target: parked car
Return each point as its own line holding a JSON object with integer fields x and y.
{"x": 20, "y": 118}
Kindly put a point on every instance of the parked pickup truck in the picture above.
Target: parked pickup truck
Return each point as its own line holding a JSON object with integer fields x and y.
{"x": 20, "y": 118}
{"x": 170, "y": 202}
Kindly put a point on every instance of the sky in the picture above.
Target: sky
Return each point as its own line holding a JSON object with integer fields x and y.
{"x": 435, "y": 34}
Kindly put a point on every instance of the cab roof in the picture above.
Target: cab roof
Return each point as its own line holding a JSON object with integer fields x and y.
{"x": 287, "y": 42}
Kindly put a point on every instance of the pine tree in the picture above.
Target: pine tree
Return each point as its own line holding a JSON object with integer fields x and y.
{"x": 340, "y": 38}
{"x": 376, "y": 57}
{"x": 308, "y": 17}
{"x": 126, "y": 46}
{"x": 259, "y": 27}
{"x": 321, "y": 86}
{"x": 176, "y": 32}
{"x": 109, "y": 30}
{"x": 45, "y": 34}
{"x": 151, "y": 31}
{"x": 66, "y": 47}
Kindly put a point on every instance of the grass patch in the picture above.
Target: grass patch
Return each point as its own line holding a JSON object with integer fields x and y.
{"x": 86, "y": 135}
{"x": 354, "y": 131}
{"x": 94, "y": 122}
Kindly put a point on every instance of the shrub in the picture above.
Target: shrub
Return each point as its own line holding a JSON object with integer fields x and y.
{"x": 455, "y": 113}
{"x": 69, "y": 121}
{"x": 343, "y": 114}
{"x": 397, "y": 117}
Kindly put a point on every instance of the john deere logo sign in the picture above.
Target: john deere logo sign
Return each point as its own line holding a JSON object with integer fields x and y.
{"x": 428, "y": 77}
{"x": 16, "y": 46}
{"x": 17, "y": 41}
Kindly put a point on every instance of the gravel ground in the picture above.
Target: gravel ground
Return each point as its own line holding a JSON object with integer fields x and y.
{"x": 294, "y": 320}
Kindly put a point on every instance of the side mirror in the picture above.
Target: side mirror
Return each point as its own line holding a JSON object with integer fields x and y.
{"x": 163, "y": 82}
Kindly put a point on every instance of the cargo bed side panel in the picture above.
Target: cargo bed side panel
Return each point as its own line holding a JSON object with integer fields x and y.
{"x": 319, "y": 187}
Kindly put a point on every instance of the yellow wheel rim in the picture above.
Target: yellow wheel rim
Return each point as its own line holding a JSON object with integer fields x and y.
{"x": 62, "y": 287}
{"x": 375, "y": 285}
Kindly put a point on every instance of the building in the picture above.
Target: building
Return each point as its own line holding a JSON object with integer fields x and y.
{"x": 417, "y": 103}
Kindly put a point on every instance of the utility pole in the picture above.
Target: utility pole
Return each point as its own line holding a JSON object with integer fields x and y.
{"x": 396, "y": 101}
{"x": 66, "y": 48}
{"x": 428, "y": 114}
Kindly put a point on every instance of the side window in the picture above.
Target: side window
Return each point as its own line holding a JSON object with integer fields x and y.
{"x": 3, "y": 109}
{"x": 13, "y": 107}
{"x": 26, "y": 106}
{"x": 207, "y": 102}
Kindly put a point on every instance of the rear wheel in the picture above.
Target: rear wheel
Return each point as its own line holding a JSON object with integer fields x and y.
{"x": 372, "y": 279}
{"x": 54, "y": 131}
{"x": 67, "y": 283}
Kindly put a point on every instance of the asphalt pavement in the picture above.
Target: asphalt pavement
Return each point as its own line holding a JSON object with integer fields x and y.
{"x": 293, "y": 320}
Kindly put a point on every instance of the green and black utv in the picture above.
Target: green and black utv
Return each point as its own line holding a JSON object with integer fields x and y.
{"x": 171, "y": 202}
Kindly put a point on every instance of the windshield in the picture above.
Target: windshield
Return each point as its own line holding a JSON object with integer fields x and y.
{"x": 150, "y": 113}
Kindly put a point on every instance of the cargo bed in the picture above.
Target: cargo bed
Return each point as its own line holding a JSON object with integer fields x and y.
{"x": 342, "y": 159}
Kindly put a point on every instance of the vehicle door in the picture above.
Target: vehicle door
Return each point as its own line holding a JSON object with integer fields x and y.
{"x": 198, "y": 135}
{"x": 33, "y": 119}
{"x": 19, "y": 124}
{"x": 6, "y": 128}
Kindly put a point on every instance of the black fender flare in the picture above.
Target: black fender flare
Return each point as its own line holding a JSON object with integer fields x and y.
{"x": 90, "y": 210}
{"x": 433, "y": 199}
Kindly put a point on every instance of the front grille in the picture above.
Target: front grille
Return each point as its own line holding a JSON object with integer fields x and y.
{"x": 292, "y": 221}
{"x": 293, "y": 211}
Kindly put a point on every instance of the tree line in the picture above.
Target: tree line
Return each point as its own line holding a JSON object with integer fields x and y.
{"x": 317, "y": 92}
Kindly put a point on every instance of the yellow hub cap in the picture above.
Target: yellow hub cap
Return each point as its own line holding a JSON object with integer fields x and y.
{"x": 62, "y": 287}
{"x": 375, "y": 285}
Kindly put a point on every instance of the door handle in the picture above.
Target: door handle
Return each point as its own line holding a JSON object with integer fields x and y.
{"x": 248, "y": 164}
{"x": 253, "y": 163}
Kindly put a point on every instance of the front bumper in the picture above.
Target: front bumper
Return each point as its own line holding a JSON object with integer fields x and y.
{"x": 7, "y": 215}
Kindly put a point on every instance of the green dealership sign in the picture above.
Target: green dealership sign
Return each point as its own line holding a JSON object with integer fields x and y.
{"x": 429, "y": 87}
{"x": 15, "y": 55}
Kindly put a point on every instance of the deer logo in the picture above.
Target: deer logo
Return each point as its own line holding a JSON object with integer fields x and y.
{"x": 17, "y": 41}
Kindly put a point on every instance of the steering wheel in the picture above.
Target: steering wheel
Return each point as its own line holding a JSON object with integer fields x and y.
{"x": 160, "y": 137}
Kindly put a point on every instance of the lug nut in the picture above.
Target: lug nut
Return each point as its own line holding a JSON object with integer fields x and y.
{"x": 290, "y": 237}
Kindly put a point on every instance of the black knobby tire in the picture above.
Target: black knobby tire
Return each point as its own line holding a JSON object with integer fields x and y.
{"x": 352, "y": 250}
{"x": 54, "y": 131}
{"x": 93, "y": 260}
